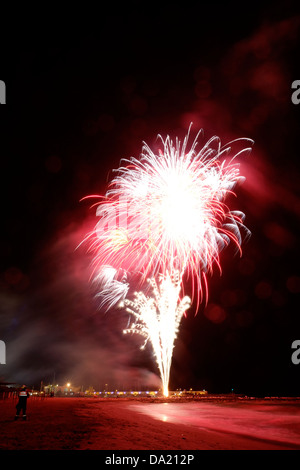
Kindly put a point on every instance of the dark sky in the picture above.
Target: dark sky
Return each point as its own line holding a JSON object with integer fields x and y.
{"x": 84, "y": 93}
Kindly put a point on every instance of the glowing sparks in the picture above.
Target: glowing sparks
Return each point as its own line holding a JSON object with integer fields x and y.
{"x": 111, "y": 289}
{"x": 157, "y": 319}
{"x": 165, "y": 215}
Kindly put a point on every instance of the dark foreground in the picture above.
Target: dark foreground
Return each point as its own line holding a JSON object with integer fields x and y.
{"x": 120, "y": 424}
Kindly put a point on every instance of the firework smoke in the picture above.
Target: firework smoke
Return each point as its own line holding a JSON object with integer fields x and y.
{"x": 163, "y": 216}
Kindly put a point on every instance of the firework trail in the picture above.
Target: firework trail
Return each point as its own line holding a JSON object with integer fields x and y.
{"x": 164, "y": 216}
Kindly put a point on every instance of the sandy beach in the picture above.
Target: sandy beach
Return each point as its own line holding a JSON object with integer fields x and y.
{"x": 120, "y": 424}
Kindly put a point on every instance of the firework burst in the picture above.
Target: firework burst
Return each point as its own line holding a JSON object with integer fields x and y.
{"x": 165, "y": 215}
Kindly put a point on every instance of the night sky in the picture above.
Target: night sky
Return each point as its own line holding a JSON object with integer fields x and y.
{"x": 84, "y": 93}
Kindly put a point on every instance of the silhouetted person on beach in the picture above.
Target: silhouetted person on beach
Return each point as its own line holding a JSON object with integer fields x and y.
{"x": 22, "y": 403}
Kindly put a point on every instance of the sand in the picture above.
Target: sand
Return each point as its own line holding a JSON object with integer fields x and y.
{"x": 119, "y": 424}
